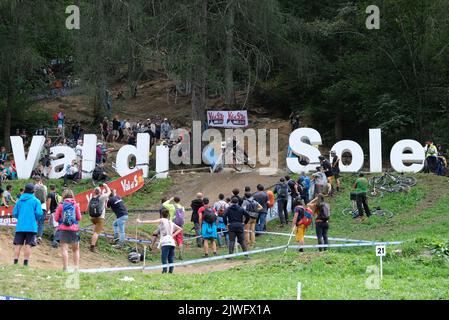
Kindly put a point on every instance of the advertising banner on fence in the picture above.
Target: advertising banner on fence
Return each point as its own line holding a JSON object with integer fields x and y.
{"x": 124, "y": 186}
{"x": 227, "y": 119}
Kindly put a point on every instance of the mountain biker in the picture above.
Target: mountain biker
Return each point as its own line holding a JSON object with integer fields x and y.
{"x": 281, "y": 190}
{"x": 361, "y": 188}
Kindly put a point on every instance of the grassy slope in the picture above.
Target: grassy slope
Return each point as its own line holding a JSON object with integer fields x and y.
{"x": 337, "y": 274}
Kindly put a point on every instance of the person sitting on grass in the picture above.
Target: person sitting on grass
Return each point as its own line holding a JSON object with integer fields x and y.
{"x": 168, "y": 231}
{"x": 27, "y": 211}
{"x": 68, "y": 215}
{"x": 71, "y": 173}
{"x": 208, "y": 223}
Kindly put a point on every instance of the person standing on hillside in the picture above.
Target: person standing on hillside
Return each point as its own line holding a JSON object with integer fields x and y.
{"x": 115, "y": 128}
{"x": 361, "y": 188}
{"x": 97, "y": 212}
{"x": 196, "y": 204}
{"x": 68, "y": 214}
{"x": 168, "y": 231}
{"x": 121, "y": 212}
{"x": 220, "y": 207}
{"x": 294, "y": 190}
{"x": 235, "y": 193}
{"x": 53, "y": 200}
{"x": 322, "y": 221}
{"x": 235, "y": 218}
{"x": 177, "y": 212}
{"x": 208, "y": 222}
{"x": 336, "y": 169}
{"x": 27, "y": 211}
{"x": 320, "y": 181}
{"x": 304, "y": 182}
{"x": 281, "y": 190}
{"x": 41, "y": 194}
{"x": 252, "y": 207}
{"x": 327, "y": 168}
{"x": 262, "y": 198}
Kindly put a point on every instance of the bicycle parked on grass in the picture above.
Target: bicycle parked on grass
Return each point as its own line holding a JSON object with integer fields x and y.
{"x": 389, "y": 180}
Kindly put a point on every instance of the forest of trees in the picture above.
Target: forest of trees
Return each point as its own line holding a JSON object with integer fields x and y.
{"x": 314, "y": 57}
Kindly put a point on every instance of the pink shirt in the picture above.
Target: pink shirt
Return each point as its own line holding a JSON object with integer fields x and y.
{"x": 58, "y": 216}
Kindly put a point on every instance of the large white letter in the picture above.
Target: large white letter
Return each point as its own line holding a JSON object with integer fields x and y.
{"x": 301, "y": 148}
{"x": 141, "y": 152}
{"x": 415, "y": 158}
{"x": 63, "y": 156}
{"x": 89, "y": 155}
{"x": 24, "y": 165}
{"x": 162, "y": 162}
{"x": 73, "y": 21}
{"x": 375, "y": 150}
{"x": 355, "y": 150}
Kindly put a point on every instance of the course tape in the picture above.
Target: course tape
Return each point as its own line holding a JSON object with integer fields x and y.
{"x": 227, "y": 256}
{"x": 110, "y": 236}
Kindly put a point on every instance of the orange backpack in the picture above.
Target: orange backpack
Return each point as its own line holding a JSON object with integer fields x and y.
{"x": 270, "y": 195}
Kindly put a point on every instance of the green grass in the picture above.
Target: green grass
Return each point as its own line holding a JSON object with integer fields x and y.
{"x": 411, "y": 271}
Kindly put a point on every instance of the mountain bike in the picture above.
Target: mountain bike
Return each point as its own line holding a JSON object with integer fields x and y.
{"x": 238, "y": 156}
{"x": 388, "y": 180}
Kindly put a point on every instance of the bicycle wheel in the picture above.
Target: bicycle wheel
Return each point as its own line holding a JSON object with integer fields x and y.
{"x": 377, "y": 181}
{"x": 408, "y": 180}
{"x": 383, "y": 213}
{"x": 349, "y": 212}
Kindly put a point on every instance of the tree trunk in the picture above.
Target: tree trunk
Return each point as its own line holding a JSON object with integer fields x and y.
{"x": 7, "y": 116}
{"x": 199, "y": 84}
{"x": 229, "y": 76}
{"x": 338, "y": 126}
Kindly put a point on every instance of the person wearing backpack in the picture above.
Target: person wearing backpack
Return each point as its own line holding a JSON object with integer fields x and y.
{"x": 253, "y": 208}
{"x": 235, "y": 218}
{"x": 294, "y": 190}
{"x": 168, "y": 231}
{"x": 27, "y": 211}
{"x": 220, "y": 207}
{"x": 208, "y": 221}
{"x": 281, "y": 190}
{"x": 176, "y": 215}
{"x": 53, "y": 200}
{"x": 97, "y": 212}
{"x": 68, "y": 214}
{"x": 41, "y": 194}
{"x": 322, "y": 221}
{"x": 302, "y": 219}
{"x": 196, "y": 204}
{"x": 304, "y": 182}
{"x": 262, "y": 198}
{"x": 121, "y": 212}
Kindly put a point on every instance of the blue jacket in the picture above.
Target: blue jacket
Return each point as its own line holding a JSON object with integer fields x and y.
{"x": 27, "y": 211}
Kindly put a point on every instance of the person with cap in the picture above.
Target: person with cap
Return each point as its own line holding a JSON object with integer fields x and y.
{"x": 27, "y": 211}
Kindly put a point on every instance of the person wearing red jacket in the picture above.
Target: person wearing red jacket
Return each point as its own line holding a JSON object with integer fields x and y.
{"x": 68, "y": 214}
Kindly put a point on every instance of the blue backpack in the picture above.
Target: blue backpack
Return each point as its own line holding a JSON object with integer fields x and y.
{"x": 68, "y": 214}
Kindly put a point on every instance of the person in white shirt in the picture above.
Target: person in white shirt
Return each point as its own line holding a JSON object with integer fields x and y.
{"x": 71, "y": 172}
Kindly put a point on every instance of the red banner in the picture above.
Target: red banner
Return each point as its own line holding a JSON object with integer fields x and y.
{"x": 124, "y": 186}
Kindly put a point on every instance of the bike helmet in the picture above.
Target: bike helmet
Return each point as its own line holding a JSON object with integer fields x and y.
{"x": 134, "y": 257}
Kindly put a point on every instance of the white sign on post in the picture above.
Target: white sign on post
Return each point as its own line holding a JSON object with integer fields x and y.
{"x": 381, "y": 252}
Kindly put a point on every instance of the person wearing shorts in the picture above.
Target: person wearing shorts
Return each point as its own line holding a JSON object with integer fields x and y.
{"x": 99, "y": 222}
{"x": 69, "y": 231}
{"x": 27, "y": 211}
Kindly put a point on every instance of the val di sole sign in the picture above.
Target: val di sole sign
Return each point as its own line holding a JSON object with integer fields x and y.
{"x": 124, "y": 186}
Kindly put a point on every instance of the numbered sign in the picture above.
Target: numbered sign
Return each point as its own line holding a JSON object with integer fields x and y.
{"x": 381, "y": 251}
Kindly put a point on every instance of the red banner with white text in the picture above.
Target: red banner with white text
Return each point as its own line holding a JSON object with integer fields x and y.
{"x": 124, "y": 186}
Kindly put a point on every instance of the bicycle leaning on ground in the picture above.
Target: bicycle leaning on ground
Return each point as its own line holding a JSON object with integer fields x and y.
{"x": 354, "y": 212}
